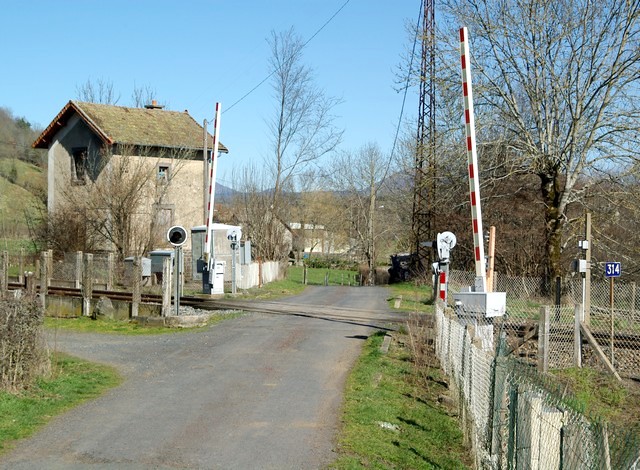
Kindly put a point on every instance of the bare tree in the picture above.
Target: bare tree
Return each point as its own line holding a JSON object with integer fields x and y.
{"x": 302, "y": 127}
{"x": 302, "y": 131}
{"x": 97, "y": 91}
{"x": 119, "y": 199}
{"x": 143, "y": 95}
{"x": 359, "y": 176}
{"x": 253, "y": 209}
{"x": 557, "y": 88}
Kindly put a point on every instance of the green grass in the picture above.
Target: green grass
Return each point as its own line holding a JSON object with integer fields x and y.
{"x": 122, "y": 327}
{"x": 383, "y": 390}
{"x": 599, "y": 395}
{"x": 73, "y": 381}
{"x": 415, "y": 298}
{"x": 317, "y": 276}
{"x": 293, "y": 283}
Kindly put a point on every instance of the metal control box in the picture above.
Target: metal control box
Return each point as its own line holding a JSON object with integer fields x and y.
{"x": 481, "y": 304}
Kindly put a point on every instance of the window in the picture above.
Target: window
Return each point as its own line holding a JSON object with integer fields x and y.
{"x": 79, "y": 163}
{"x": 163, "y": 172}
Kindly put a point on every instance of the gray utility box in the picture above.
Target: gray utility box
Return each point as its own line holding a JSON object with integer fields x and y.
{"x": 197, "y": 251}
{"x": 480, "y": 304}
{"x": 146, "y": 267}
{"x": 157, "y": 259}
{"x": 245, "y": 252}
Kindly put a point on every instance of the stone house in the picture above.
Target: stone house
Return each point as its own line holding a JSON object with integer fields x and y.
{"x": 103, "y": 157}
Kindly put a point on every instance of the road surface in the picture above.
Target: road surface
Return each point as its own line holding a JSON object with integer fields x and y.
{"x": 262, "y": 391}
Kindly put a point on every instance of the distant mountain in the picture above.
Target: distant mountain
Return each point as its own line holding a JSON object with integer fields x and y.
{"x": 224, "y": 193}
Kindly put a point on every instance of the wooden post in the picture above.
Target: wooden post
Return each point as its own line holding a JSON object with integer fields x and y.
{"x": 44, "y": 276}
{"x": 543, "y": 339}
{"x": 87, "y": 284}
{"x": 492, "y": 254}
{"x": 598, "y": 350}
{"x": 136, "y": 296}
{"x": 166, "y": 287}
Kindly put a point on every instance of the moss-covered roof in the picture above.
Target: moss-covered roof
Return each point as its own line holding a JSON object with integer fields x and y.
{"x": 132, "y": 126}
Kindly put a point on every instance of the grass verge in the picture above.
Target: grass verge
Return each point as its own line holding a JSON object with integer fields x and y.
{"x": 411, "y": 297}
{"x": 391, "y": 419}
{"x": 122, "y": 327}
{"x": 318, "y": 276}
{"x": 73, "y": 381}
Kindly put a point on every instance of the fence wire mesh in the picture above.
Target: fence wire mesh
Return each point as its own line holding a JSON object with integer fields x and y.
{"x": 518, "y": 418}
{"x": 613, "y": 319}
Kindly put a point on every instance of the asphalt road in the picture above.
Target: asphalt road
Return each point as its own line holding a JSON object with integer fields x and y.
{"x": 261, "y": 391}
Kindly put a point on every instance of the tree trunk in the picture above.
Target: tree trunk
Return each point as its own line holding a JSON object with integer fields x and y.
{"x": 554, "y": 226}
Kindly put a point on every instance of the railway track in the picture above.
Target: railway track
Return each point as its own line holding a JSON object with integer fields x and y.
{"x": 521, "y": 330}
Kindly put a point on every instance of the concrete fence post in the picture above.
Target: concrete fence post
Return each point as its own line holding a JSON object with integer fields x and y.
{"x": 543, "y": 339}
{"x": 166, "y": 287}
{"x": 110, "y": 270}
{"x": 577, "y": 336}
{"x": 136, "y": 296}
{"x": 49, "y": 267}
{"x": 4, "y": 274}
{"x": 87, "y": 284}
{"x": 77, "y": 277}
{"x": 30, "y": 283}
{"x": 21, "y": 267}
{"x": 44, "y": 276}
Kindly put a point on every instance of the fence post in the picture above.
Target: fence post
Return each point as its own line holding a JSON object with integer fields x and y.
{"x": 499, "y": 391}
{"x": 30, "y": 283}
{"x": 135, "y": 287}
{"x": 4, "y": 274}
{"x": 44, "y": 276}
{"x": 633, "y": 299}
{"x": 21, "y": 267}
{"x": 166, "y": 287}
{"x": 77, "y": 278}
{"x": 110, "y": 270}
{"x": 577, "y": 337}
{"x": 543, "y": 339}
{"x": 49, "y": 266}
{"x": 87, "y": 284}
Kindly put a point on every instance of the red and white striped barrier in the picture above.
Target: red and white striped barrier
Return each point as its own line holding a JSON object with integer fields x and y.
{"x": 474, "y": 183}
{"x": 213, "y": 167}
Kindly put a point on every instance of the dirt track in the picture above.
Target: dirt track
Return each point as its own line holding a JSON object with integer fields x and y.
{"x": 260, "y": 391}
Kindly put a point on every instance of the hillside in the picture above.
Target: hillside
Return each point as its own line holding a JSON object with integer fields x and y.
{"x": 22, "y": 197}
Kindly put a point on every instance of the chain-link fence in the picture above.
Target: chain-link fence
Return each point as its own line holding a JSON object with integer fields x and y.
{"x": 516, "y": 417}
{"x": 613, "y": 321}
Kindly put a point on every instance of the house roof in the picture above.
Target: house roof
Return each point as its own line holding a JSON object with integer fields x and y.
{"x": 132, "y": 126}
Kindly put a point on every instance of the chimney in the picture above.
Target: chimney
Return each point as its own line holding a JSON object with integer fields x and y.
{"x": 154, "y": 105}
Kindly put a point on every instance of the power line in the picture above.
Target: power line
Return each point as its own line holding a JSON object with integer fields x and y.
{"x": 406, "y": 88}
{"x": 303, "y": 46}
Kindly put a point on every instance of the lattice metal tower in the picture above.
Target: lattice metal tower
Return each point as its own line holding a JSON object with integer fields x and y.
{"x": 423, "y": 223}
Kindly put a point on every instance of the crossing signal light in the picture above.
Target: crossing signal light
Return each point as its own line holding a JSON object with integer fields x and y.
{"x": 177, "y": 235}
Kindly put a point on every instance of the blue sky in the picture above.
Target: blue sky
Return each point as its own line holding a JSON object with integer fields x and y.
{"x": 196, "y": 53}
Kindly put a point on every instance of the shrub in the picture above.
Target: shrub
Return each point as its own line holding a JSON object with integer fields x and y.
{"x": 23, "y": 354}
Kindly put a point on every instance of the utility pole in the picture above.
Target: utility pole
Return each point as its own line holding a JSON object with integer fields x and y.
{"x": 587, "y": 274}
{"x": 423, "y": 225}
